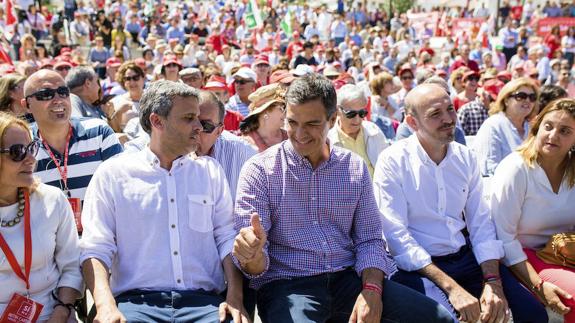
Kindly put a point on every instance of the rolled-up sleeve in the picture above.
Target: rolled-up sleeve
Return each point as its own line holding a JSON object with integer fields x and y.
{"x": 367, "y": 232}
{"x": 252, "y": 196}
{"x": 224, "y": 232}
{"x": 478, "y": 219}
{"x": 99, "y": 235}
{"x": 392, "y": 203}
{"x": 508, "y": 190}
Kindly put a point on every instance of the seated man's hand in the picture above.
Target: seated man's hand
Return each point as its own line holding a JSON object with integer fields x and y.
{"x": 109, "y": 314}
{"x": 249, "y": 243}
{"x": 236, "y": 309}
{"x": 368, "y": 308}
{"x": 465, "y": 304}
{"x": 494, "y": 306}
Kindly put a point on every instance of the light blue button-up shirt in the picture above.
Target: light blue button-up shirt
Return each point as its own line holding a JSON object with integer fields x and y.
{"x": 496, "y": 139}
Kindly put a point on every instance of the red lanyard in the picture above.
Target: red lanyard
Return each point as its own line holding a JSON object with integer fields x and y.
{"x": 62, "y": 170}
{"x": 27, "y": 246}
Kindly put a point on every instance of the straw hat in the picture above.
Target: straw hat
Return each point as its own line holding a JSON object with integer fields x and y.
{"x": 264, "y": 97}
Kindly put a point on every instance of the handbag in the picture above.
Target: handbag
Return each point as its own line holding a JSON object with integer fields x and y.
{"x": 559, "y": 250}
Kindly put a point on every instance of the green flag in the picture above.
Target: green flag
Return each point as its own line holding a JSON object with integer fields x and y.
{"x": 253, "y": 15}
{"x": 286, "y": 24}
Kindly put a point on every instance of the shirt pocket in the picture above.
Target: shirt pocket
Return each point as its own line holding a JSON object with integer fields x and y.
{"x": 200, "y": 210}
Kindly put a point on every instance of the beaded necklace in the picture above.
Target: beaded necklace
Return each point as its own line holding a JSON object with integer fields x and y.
{"x": 20, "y": 212}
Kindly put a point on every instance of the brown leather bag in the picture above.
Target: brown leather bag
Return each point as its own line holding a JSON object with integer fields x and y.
{"x": 559, "y": 250}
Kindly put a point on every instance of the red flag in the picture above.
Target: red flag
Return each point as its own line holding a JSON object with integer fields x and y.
{"x": 10, "y": 19}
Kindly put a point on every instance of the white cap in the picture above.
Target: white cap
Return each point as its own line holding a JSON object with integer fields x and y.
{"x": 246, "y": 73}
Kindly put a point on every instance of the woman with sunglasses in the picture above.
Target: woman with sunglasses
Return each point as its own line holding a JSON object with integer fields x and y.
{"x": 469, "y": 93}
{"x": 127, "y": 106}
{"x": 262, "y": 127}
{"x": 40, "y": 253}
{"x": 508, "y": 124}
{"x": 532, "y": 196}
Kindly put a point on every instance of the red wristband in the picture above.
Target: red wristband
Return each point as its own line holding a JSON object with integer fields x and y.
{"x": 373, "y": 287}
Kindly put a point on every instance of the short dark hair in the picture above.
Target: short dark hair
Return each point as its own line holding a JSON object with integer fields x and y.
{"x": 159, "y": 98}
{"x": 549, "y": 93}
{"x": 307, "y": 44}
{"x": 313, "y": 87}
{"x": 210, "y": 97}
{"x": 79, "y": 75}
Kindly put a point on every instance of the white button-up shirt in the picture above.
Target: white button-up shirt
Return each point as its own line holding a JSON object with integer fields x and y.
{"x": 526, "y": 210}
{"x": 158, "y": 229}
{"x": 425, "y": 206}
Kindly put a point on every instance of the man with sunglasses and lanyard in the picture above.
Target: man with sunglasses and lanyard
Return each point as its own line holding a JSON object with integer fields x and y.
{"x": 352, "y": 132}
{"x": 71, "y": 149}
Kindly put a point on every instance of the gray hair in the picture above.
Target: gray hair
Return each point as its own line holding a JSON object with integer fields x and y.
{"x": 439, "y": 81}
{"x": 350, "y": 93}
{"x": 78, "y": 76}
{"x": 207, "y": 97}
{"x": 313, "y": 87}
{"x": 159, "y": 97}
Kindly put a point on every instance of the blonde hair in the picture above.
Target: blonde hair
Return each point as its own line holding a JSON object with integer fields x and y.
{"x": 529, "y": 150}
{"x": 500, "y": 104}
{"x": 7, "y": 84}
{"x": 378, "y": 83}
{"x": 8, "y": 120}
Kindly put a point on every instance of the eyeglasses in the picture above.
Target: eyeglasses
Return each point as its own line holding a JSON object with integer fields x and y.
{"x": 350, "y": 114}
{"x": 522, "y": 96}
{"x": 242, "y": 81}
{"x": 18, "y": 152}
{"x": 134, "y": 78}
{"x": 209, "y": 127}
{"x": 63, "y": 68}
{"x": 49, "y": 94}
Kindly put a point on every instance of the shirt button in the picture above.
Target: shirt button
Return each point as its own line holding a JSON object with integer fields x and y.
{"x": 175, "y": 253}
{"x": 204, "y": 201}
{"x": 169, "y": 174}
{"x": 179, "y": 281}
{"x": 173, "y": 226}
{"x": 172, "y": 200}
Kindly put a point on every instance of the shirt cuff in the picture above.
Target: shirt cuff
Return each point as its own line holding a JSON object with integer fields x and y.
{"x": 380, "y": 260}
{"x": 248, "y": 275}
{"x": 488, "y": 250}
{"x": 414, "y": 259}
{"x": 514, "y": 253}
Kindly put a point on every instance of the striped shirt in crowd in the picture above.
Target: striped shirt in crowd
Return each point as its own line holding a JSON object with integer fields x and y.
{"x": 92, "y": 142}
{"x": 318, "y": 221}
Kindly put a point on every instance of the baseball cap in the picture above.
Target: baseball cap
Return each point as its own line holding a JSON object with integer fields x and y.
{"x": 113, "y": 62}
{"x": 493, "y": 87}
{"x": 246, "y": 73}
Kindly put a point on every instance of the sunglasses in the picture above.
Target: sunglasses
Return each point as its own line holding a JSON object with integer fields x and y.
{"x": 522, "y": 96}
{"x": 134, "y": 78}
{"x": 18, "y": 152}
{"x": 208, "y": 127}
{"x": 243, "y": 81}
{"x": 49, "y": 94}
{"x": 350, "y": 114}
{"x": 405, "y": 78}
{"x": 473, "y": 78}
{"x": 172, "y": 65}
{"x": 63, "y": 68}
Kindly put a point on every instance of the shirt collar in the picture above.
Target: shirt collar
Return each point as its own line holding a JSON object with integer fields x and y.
{"x": 152, "y": 159}
{"x": 292, "y": 154}
{"x": 422, "y": 154}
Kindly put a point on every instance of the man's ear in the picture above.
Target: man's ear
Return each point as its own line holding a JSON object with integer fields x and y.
{"x": 24, "y": 103}
{"x": 156, "y": 121}
{"x": 411, "y": 121}
{"x": 332, "y": 120}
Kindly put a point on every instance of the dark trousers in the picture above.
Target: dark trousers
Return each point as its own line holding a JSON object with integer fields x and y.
{"x": 331, "y": 297}
{"x": 169, "y": 306}
{"x": 465, "y": 270}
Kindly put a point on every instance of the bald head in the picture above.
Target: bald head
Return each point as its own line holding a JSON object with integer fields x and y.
{"x": 422, "y": 94}
{"x": 37, "y": 81}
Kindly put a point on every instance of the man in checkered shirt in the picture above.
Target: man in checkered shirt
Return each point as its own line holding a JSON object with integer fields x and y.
{"x": 472, "y": 115}
{"x": 310, "y": 234}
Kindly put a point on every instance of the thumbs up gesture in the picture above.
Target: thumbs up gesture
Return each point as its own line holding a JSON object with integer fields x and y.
{"x": 248, "y": 246}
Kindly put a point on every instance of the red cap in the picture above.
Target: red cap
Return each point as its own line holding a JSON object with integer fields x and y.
{"x": 140, "y": 62}
{"x": 493, "y": 87}
{"x": 169, "y": 60}
{"x": 504, "y": 76}
{"x": 113, "y": 62}
{"x": 216, "y": 83}
{"x": 46, "y": 62}
{"x": 405, "y": 68}
{"x": 65, "y": 50}
{"x": 281, "y": 76}
{"x": 261, "y": 59}
{"x": 469, "y": 74}
{"x": 62, "y": 62}
{"x": 337, "y": 84}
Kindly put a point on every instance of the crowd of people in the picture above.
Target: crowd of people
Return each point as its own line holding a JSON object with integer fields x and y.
{"x": 191, "y": 161}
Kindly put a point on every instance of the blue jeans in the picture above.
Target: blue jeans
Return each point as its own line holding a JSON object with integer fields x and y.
{"x": 331, "y": 297}
{"x": 169, "y": 306}
{"x": 464, "y": 269}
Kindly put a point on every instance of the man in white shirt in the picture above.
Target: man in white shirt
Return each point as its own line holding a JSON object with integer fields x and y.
{"x": 160, "y": 223}
{"x": 429, "y": 191}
